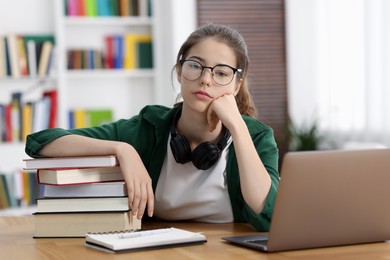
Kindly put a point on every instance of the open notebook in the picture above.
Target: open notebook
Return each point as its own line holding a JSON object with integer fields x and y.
{"x": 124, "y": 241}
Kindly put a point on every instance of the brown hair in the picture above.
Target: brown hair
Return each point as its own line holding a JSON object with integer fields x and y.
{"x": 236, "y": 42}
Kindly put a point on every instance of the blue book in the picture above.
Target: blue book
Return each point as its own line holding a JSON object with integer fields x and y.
{"x": 71, "y": 119}
{"x": 118, "y": 51}
{"x": 104, "y": 8}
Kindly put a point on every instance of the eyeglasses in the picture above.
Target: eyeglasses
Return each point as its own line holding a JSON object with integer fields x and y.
{"x": 222, "y": 74}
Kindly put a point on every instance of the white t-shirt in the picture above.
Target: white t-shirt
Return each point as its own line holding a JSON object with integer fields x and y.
{"x": 185, "y": 193}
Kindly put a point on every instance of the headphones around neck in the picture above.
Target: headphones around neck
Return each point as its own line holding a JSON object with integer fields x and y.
{"x": 204, "y": 156}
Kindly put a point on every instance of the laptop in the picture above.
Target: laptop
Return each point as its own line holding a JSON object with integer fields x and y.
{"x": 328, "y": 198}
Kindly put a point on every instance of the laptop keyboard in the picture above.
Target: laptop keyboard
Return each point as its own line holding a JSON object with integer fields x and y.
{"x": 260, "y": 240}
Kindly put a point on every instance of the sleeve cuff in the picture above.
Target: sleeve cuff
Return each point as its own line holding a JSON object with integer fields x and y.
{"x": 35, "y": 142}
{"x": 262, "y": 221}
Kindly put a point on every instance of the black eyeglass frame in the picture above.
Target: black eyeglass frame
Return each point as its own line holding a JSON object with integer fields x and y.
{"x": 211, "y": 69}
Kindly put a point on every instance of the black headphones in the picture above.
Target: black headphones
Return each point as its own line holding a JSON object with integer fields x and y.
{"x": 204, "y": 155}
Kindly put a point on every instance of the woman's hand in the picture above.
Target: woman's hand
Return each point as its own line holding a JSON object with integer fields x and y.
{"x": 223, "y": 108}
{"x": 138, "y": 181}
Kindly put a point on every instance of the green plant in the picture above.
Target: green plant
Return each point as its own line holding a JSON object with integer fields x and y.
{"x": 304, "y": 138}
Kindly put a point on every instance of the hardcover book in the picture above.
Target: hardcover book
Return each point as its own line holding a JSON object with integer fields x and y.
{"x": 79, "y": 175}
{"x": 71, "y": 162}
{"x": 79, "y": 223}
{"x": 103, "y": 189}
{"x": 79, "y": 204}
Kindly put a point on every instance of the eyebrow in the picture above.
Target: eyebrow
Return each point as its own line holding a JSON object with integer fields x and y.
{"x": 202, "y": 60}
{"x": 198, "y": 58}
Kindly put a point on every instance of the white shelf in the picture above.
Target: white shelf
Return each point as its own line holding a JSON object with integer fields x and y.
{"x": 28, "y": 79}
{"x": 109, "y": 21}
{"x": 106, "y": 73}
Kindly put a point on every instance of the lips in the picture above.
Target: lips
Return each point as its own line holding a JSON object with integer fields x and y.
{"x": 202, "y": 94}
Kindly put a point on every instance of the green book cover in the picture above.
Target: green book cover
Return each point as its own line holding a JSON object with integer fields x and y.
{"x": 96, "y": 117}
{"x": 39, "y": 38}
{"x": 145, "y": 55}
{"x": 4, "y": 192}
{"x": 91, "y": 9}
{"x": 114, "y": 8}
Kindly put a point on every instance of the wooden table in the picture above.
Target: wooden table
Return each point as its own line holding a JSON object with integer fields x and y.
{"x": 16, "y": 242}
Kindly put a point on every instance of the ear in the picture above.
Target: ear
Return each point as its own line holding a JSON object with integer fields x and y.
{"x": 178, "y": 73}
{"x": 238, "y": 87}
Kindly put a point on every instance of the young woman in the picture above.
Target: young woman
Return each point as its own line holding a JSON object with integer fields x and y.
{"x": 207, "y": 158}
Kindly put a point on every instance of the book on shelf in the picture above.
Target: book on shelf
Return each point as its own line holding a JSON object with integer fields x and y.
{"x": 77, "y": 224}
{"x": 86, "y": 59}
{"x": 103, "y": 8}
{"x": 130, "y": 48}
{"x": 32, "y": 58}
{"x": 145, "y": 55}
{"x": 90, "y": 7}
{"x": 44, "y": 59}
{"x": 52, "y": 94}
{"x": 79, "y": 117}
{"x": 82, "y": 204}
{"x": 18, "y": 188}
{"x": 16, "y": 116}
{"x": 128, "y": 51}
{"x": 97, "y": 117}
{"x": 118, "y": 51}
{"x": 69, "y": 176}
{"x": 12, "y": 47}
{"x": 124, "y": 8}
{"x": 5, "y": 69}
{"x": 41, "y": 108}
{"x": 24, "y": 55}
{"x": 3, "y": 58}
{"x": 103, "y": 189}
{"x": 109, "y": 52}
{"x": 70, "y": 162}
{"x": 7, "y": 121}
{"x": 4, "y": 191}
{"x": 107, "y": 7}
{"x": 20, "y": 117}
{"x": 27, "y": 119}
{"x": 143, "y": 239}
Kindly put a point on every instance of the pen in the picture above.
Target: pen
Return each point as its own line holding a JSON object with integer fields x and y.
{"x": 144, "y": 233}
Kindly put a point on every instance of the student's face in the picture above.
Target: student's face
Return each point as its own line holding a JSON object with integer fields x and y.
{"x": 199, "y": 93}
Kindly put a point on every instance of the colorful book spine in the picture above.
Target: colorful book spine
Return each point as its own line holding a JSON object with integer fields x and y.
{"x": 20, "y": 55}
{"x": 130, "y": 53}
{"x": 119, "y": 8}
{"x": 79, "y": 118}
{"x": 19, "y": 188}
{"x": 91, "y": 9}
{"x": 19, "y": 117}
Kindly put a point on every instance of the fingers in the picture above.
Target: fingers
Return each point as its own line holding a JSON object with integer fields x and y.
{"x": 138, "y": 182}
{"x": 224, "y": 109}
{"x": 140, "y": 194}
{"x": 212, "y": 119}
{"x": 150, "y": 201}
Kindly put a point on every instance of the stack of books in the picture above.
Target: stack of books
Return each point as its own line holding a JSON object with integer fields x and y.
{"x": 81, "y": 195}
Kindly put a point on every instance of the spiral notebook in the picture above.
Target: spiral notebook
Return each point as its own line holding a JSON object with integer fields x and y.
{"x": 135, "y": 240}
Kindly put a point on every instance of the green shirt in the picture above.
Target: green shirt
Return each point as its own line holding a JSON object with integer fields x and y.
{"x": 148, "y": 133}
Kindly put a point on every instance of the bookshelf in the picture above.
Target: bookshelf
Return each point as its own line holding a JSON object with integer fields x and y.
{"x": 36, "y": 21}
{"x": 123, "y": 91}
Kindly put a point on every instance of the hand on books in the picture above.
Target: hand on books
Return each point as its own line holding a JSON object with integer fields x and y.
{"x": 138, "y": 181}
